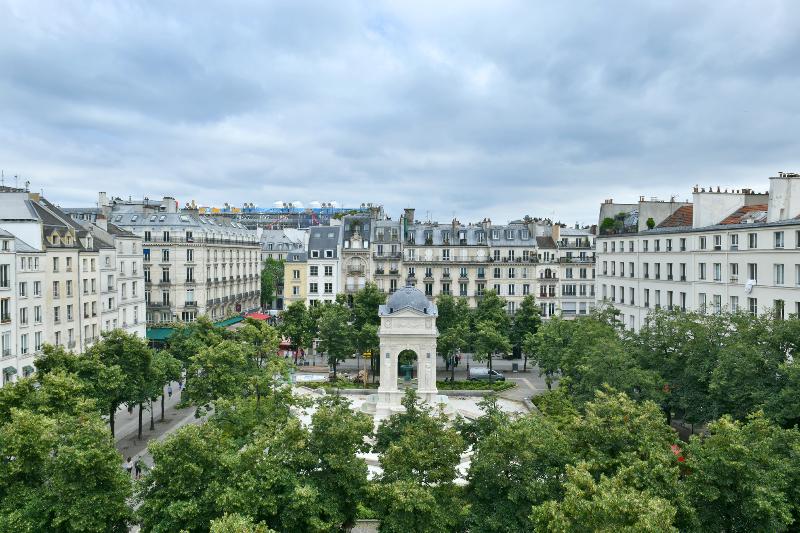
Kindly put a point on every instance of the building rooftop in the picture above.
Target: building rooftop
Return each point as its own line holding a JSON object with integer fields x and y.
{"x": 681, "y": 218}
{"x": 408, "y": 298}
{"x": 755, "y": 213}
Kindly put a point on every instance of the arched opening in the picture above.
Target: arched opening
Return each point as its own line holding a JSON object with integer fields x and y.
{"x": 407, "y": 365}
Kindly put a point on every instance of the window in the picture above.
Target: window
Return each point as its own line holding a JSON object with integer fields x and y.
{"x": 37, "y": 288}
{"x": 165, "y": 275}
{"x": 56, "y": 289}
{"x": 645, "y": 245}
{"x": 5, "y": 276}
{"x": 446, "y": 254}
{"x": 55, "y": 264}
{"x": 734, "y": 305}
{"x": 511, "y": 273}
{"x": 752, "y": 240}
{"x": 701, "y": 302}
{"x": 779, "y": 274}
{"x": 778, "y": 236}
{"x": 23, "y": 288}
{"x": 702, "y": 243}
{"x": 329, "y": 288}
{"x": 165, "y": 255}
{"x": 512, "y": 289}
{"x": 428, "y": 289}
{"x": 313, "y": 270}
{"x": 779, "y": 308}
{"x": 328, "y": 254}
{"x": 313, "y": 288}
{"x": 462, "y": 289}
{"x": 329, "y": 270}
{"x": 683, "y": 244}
{"x": 717, "y": 271}
{"x": 445, "y": 288}
{"x": 752, "y": 303}
{"x": 733, "y": 268}
{"x": 315, "y": 254}
{"x": 189, "y": 254}
{"x": 717, "y": 242}
{"x": 37, "y": 314}
{"x": 496, "y": 272}
{"x": 717, "y": 304}
{"x": 295, "y": 274}
{"x": 752, "y": 271}
{"x": 23, "y": 316}
{"x": 734, "y": 241}
{"x": 526, "y": 289}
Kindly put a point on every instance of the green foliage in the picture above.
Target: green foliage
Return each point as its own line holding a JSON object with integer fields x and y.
{"x": 335, "y": 333}
{"x": 297, "y": 325}
{"x": 365, "y": 317}
{"x": 65, "y": 474}
{"x": 271, "y": 279}
{"x": 605, "y": 505}
{"x": 236, "y": 523}
{"x": 217, "y": 372}
{"x": 650, "y": 223}
{"x": 526, "y": 322}
{"x": 743, "y": 476}
{"x": 419, "y": 454}
{"x": 496, "y": 386}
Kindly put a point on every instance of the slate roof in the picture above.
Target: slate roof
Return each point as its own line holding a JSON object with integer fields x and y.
{"x": 408, "y": 298}
{"x": 681, "y": 218}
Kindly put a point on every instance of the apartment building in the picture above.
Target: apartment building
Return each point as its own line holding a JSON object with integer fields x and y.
{"x": 323, "y": 277}
{"x": 356, "y": 254}
{"x": 191, "y": 264}
{"x": 53, "y": 281}
{"x": 725, "y": 250}
{"x": 295, "y": 275}
{"x": 533, "y": 256}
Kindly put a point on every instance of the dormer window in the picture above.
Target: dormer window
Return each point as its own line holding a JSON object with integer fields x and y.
{"x": 525, "y": 234}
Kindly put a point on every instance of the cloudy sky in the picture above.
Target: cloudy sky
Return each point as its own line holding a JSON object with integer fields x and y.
{"x": 474, "y": 108}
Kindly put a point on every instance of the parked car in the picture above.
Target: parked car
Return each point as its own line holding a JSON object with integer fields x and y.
{"x": 485, "y": 374}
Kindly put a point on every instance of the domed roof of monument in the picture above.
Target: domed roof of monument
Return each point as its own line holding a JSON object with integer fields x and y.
{"x": 408, "y": 297}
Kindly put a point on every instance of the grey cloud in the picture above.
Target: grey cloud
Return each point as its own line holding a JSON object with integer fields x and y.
{"x": 479, "y": 110}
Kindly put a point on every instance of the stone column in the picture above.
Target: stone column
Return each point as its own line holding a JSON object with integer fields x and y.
{"x": 426, "y": 373}
{"x": 388, "y": 393}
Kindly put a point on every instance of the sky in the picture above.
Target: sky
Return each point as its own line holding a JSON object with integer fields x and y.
{"x": 470, "y": 109}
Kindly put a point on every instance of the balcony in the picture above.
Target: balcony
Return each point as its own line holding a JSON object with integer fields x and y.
{"x": 379, "y": 271}
{"x": 355, "y": 269}
{"x": 190, "y": 304}
{"x": 394, "y": 271}
{"x": 5, "y": 319}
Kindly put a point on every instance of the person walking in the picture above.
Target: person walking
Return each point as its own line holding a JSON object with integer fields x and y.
{"x": 169, "y": 390}
{"x": 137, "y": 469}
{"x": 129, "y": 466}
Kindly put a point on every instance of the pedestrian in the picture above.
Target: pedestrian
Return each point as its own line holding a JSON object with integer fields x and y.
{"x": 169, "y": 390}
{"x": 137, "y": 468}
{"x": 130, "y": 409}
{"x": 129, "y": 466}
{"x": 180, "y": 384}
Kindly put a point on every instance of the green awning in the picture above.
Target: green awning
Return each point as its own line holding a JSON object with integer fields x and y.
{"x": 159, "y": 334}
{"x": 229, "y": 322}
{"x": 10, "y": 370}
{"x": 28, "y": 369}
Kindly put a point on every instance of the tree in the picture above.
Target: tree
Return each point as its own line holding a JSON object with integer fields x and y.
{"x": 526, "y": 322}
{"x": 297, "y": 325}
{"x": 514, "y": 467}
{"x": 491, "y": 326}
{"x": 739, "y": 477}
{"x": 419, "y": 454}
{"x": 548, "y": 346}
{"x": 271, "y": 279}
{"x": 132, "y": 355}
{"x": 237, "y": 523}
{"x": 65, "y": 475}
{"x": 218, "y": 372}
{"x": 488, "y": 341}
{"x": 453, "y": 325}
{"x": 366, "y": 320}
{"x": 607, "y": 505}
{"x": 164, "y": 369}
{"x": 337, "y": 435}
{"x": 191, "y": 467}
{"x": 263, "y": 342}
{"x": 335, "y": 333}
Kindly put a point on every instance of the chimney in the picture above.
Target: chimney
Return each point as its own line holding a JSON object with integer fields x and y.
{"x": 102, "y": 199}
{"x": 101, "y": 221}
{"x": 408, "y": 213}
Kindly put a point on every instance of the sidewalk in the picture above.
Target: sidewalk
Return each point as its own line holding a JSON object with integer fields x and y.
{"x": 127, "y": 441}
